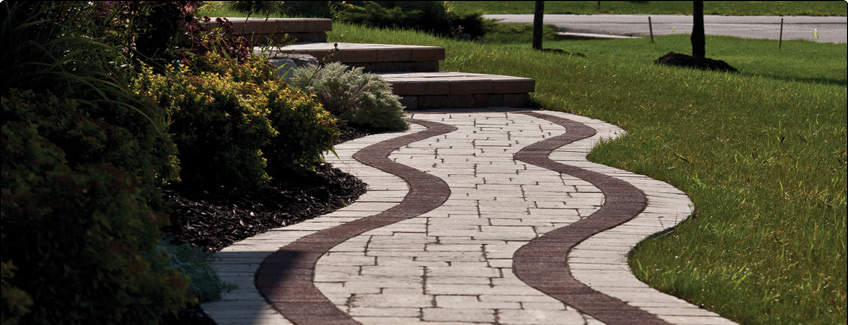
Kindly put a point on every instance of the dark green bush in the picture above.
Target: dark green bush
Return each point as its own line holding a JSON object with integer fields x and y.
{"x": 81, "y": 172}
{"x": 16, "y": 302}
{"x": 194, "y": 263}
{"x": 82, "y": 235}
{"x": 133, "y": 140}
{"x": 426, "y": 16}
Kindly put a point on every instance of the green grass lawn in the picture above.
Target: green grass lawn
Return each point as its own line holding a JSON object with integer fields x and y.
{"x": 727, "y": 8}
{"x": 756, "y": 58}
{"x": 761, "y": 153}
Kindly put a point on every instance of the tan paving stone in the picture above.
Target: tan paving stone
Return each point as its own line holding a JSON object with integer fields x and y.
{"x": 539, "y": 316}
{"x": 392, "y": 301}
{"x": 385, "y": 312}
{"x": 458, "y": 315}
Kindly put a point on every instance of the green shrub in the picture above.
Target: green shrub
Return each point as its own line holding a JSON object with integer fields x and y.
{"x": 362, "y": 99}
{"x": 16, "y": 302}
{"x": 193, "y": 263}
{"x": 81, "y": 235}
{"x": 218, "y": 132}
{"x": 426, "y": 16}
{"x": 305, "y": 130}
{"x": 54, "y": 47}
{"x": 228, "y": 118}
{"x": 104, "y": 134}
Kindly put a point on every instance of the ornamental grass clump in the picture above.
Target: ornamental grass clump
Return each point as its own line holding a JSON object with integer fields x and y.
{"x": 360, "y": 99}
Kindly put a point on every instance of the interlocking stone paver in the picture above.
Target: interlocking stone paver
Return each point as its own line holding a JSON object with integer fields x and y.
{"x": 454, "y": 264}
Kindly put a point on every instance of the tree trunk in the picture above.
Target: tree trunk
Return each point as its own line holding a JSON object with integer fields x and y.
{"x": 537, "y": 25}
{"x": 698, "y": 40}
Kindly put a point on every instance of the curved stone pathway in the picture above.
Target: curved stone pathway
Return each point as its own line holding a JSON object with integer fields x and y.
{"x": 468, "y": 219}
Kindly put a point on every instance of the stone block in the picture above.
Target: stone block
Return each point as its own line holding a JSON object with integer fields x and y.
{"x": 460, "y": 101}
{"x": 467, "y": 87}
{"x": 432, "y": 101}
{"x": 513, "y": 85}
{"x": 426, "y": 66}
{"x": 428, "y": 53}
{"x": 425, "y": 87}
{"x": 358, "y": 55}
{"x": 319, "y": 24}
{"x": 516, "y": 100}
{"x": 394, "y": 54}
{"x": 410, "y": 102}
{"x": 488, "y": 100}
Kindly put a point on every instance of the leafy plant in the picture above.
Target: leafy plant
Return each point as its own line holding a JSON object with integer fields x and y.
{"x": 81, "y": 233}
{"x": 222, "y": 40}
{"x": 362, "y": 99}
{"x": 305, "y": 131}
{"x": 216, "y": 127}
{"x": 16, "y": 302}
{"x": 233, "y": 123}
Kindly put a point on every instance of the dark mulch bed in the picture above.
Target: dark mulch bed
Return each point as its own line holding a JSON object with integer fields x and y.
{"x": 688, "y": 61}
{"x": 214, "y": 218}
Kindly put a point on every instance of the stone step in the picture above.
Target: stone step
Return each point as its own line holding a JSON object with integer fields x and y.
{"x": 428, "y": 90}
{"x": 262, "y": 30}
{"x": 371, "y": 57}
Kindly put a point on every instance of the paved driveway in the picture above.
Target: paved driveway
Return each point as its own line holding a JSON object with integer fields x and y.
{"x": 829, "y": 29}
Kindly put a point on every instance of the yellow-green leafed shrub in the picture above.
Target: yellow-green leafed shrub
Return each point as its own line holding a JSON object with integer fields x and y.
{"x": 217, "y": 127}
{"x": 227, "y": 118}
{"x": 305, "y": 130}
{"x": 361, "y": 99}
{"x": 80, "y": 234}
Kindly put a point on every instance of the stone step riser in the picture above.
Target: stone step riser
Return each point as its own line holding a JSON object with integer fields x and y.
{"x": 411, "y": 70}
{"x": 413, "y": 102}
{"x": 280, "y": 30}
{"x": 459, "y": 90}
{"x": 371, "y": 57}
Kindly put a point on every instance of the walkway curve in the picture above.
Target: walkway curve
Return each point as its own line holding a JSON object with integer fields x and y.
{"x": 541, "y": 263}
{"x": 286, "y": 277}
{"x": 454, "y": 263}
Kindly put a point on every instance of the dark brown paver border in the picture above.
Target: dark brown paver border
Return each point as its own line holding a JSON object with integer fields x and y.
{"x": 285, "y": 277}
{"x": 542, "y": 263}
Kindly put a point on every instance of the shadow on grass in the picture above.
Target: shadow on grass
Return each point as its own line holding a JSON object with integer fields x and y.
{"x": 820, "y": 81}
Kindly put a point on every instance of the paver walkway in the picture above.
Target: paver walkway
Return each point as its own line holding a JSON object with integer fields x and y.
{"x": 468, "y": 218}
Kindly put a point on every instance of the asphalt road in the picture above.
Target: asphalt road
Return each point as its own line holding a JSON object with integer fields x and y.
{"x": 829, "y": 29}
